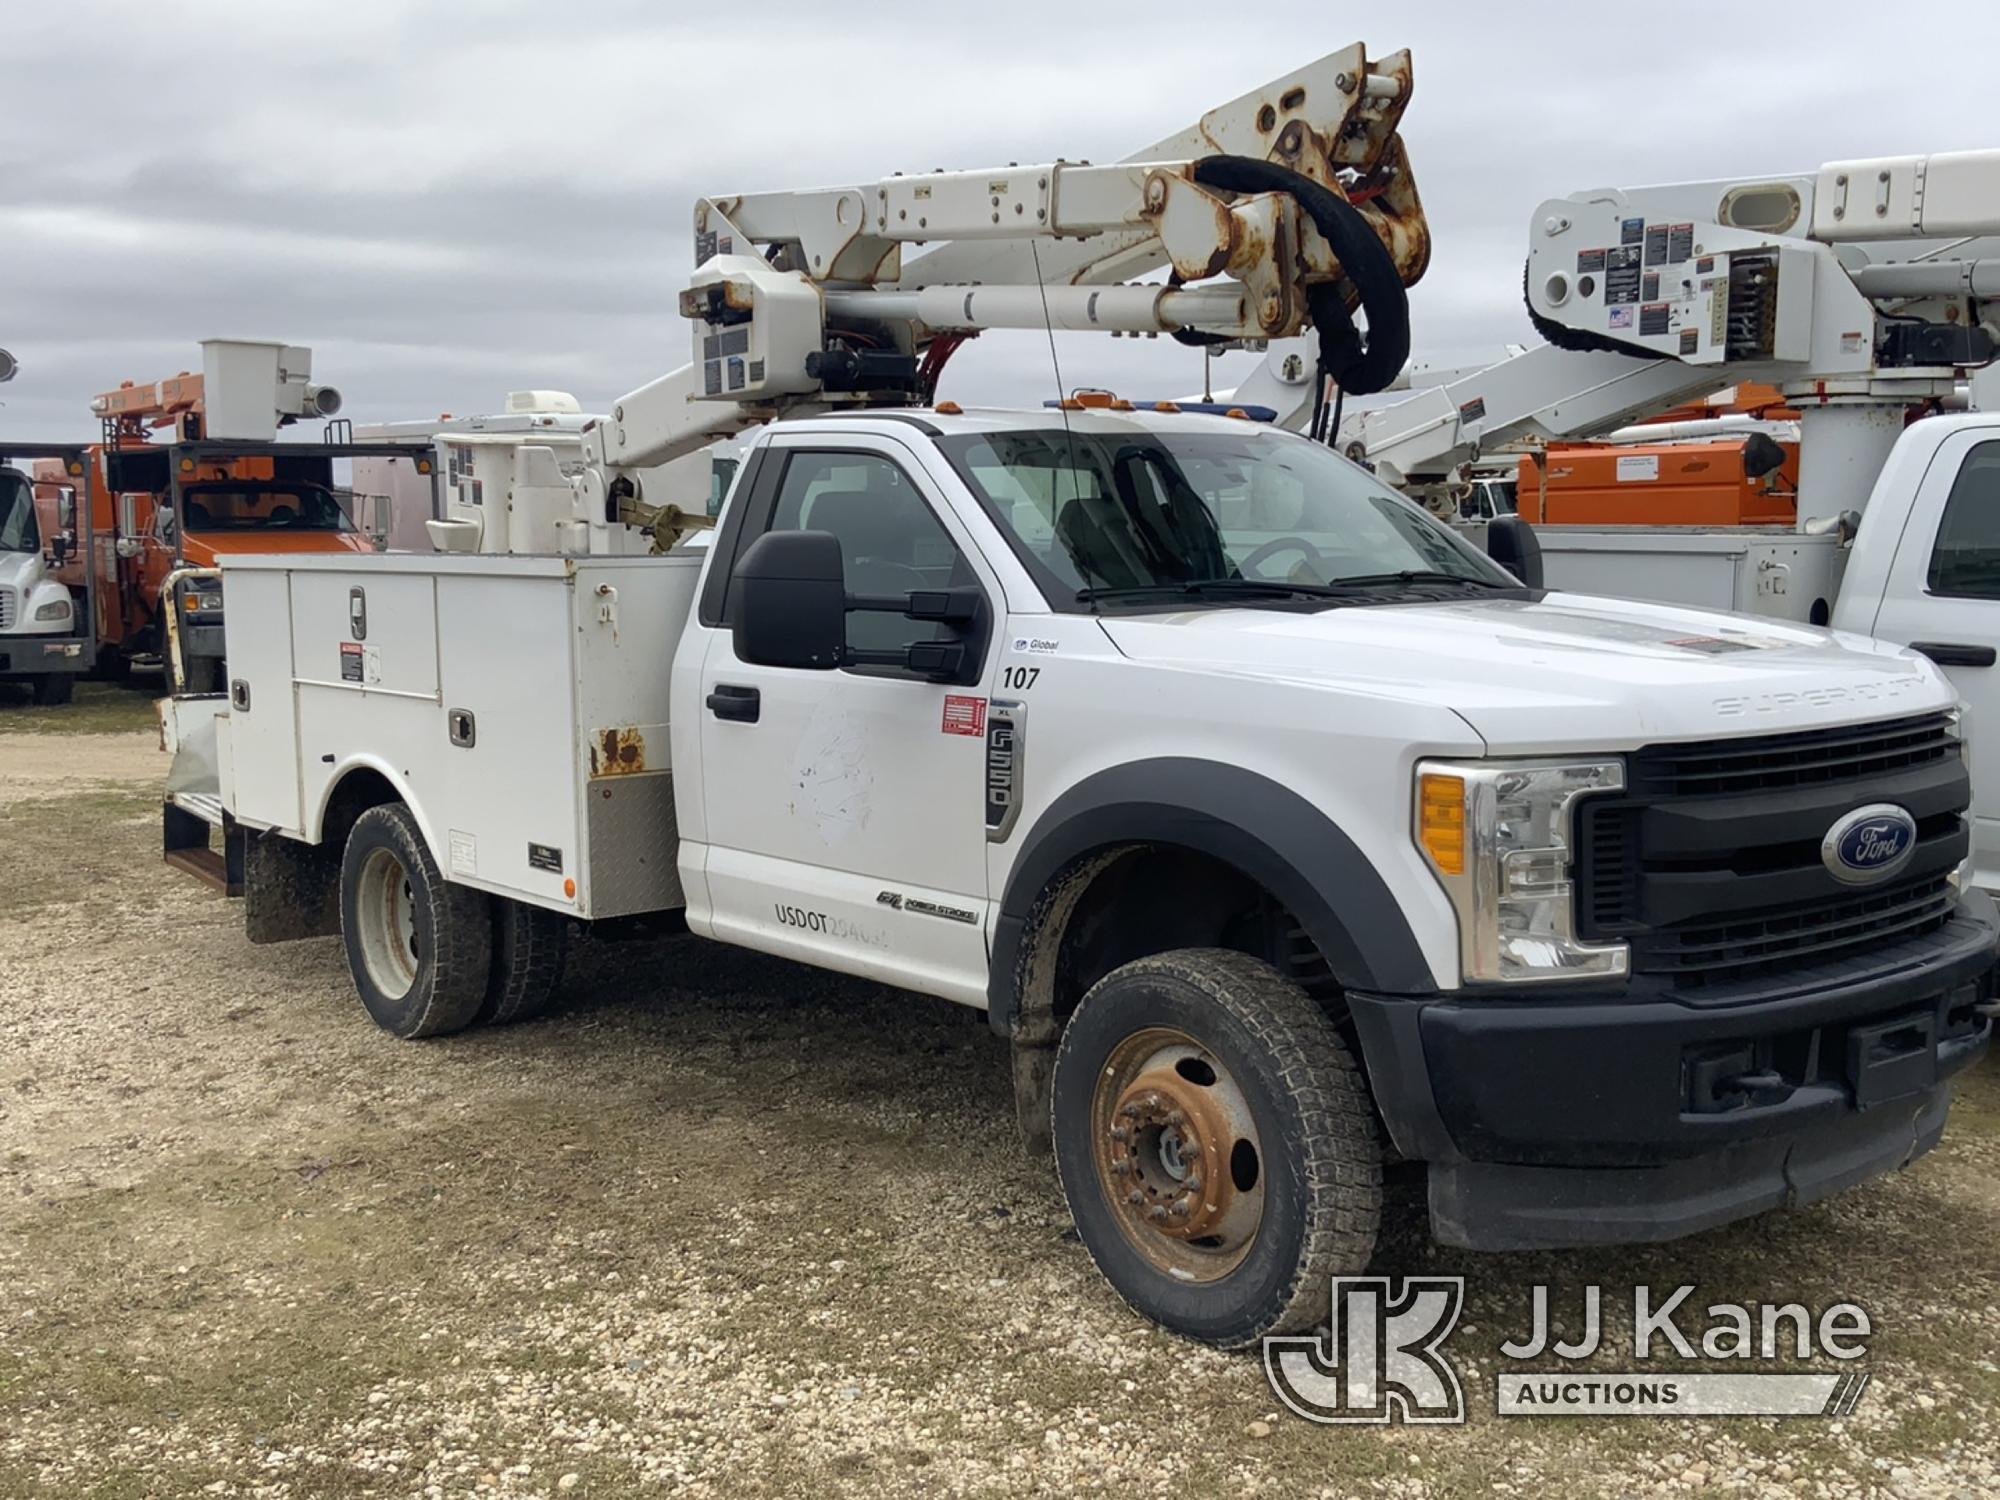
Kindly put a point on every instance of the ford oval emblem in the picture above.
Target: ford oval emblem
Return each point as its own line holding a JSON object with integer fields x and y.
{"x": 1869, "y": 844}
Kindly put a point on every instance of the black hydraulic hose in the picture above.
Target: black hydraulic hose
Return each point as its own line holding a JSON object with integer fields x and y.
{"x": 1358, "y": 366}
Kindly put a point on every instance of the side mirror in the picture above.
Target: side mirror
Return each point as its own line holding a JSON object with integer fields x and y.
{"x": 61, "y": 545}
{"x": 1512, "y": 543}
{"x": 790, "y": 605}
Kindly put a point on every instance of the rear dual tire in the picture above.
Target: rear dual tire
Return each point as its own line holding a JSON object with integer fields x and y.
{"x": 420, "y": 948}
{"x": 530, "y": 951}
{"x": 430, "y": 957}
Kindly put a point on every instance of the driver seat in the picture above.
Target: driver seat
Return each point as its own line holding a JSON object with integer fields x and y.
{"x": 1096, "y": 534}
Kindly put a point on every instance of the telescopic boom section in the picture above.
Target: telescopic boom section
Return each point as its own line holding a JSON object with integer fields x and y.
{"x": 1282, "y": 211}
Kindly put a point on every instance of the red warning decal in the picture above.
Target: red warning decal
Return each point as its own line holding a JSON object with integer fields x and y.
{"x": 964, "y": 715}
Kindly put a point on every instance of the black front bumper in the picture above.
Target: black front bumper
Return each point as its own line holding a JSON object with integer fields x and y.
{"x": 44, "y": 655}
{"x": 1612, "y": 1118}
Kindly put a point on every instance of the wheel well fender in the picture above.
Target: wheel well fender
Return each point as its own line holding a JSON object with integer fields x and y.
{"x": 1248, "y": 821}
{"x": 363, "y": 782}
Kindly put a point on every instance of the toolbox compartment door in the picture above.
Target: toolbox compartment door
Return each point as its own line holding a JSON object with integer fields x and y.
{"x": 263, "y": 771}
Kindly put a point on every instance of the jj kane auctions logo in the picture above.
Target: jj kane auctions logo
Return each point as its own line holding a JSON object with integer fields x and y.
{"x": 1382, "y": 1358}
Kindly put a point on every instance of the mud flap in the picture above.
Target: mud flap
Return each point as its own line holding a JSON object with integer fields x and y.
{"x": 290, "y": 890}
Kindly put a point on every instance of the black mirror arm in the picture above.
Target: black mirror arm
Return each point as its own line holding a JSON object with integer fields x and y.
{"x": 940, "y": 661}
{"x": 957, "y": 606}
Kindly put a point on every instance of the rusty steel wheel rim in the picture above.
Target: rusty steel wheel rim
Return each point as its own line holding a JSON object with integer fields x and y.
{"x": 1178, "y": 1155}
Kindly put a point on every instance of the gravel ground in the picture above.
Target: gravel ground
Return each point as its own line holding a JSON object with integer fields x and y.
{"x": 723, "y": 1226}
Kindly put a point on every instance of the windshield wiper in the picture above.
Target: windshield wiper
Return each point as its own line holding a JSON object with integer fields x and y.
{"x": 1419, "y": 575}
{"x": 1252, "y": 588}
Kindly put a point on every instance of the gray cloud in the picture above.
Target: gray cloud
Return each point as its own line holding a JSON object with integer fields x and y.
{"x": 448, "y": 202}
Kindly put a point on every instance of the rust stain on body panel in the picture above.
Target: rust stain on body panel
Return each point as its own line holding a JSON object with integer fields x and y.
{"x": 617, "y": 752}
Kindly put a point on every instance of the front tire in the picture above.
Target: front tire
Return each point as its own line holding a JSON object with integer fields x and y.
{"x": 419, "y": 947}
{"x": 1217, "y": 1145}
{"x": 53, "y": 689}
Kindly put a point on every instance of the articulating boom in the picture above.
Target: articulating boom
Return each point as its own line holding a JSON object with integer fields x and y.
{"x": 1282, "y": 211}
{"x": 1858, "y": 291}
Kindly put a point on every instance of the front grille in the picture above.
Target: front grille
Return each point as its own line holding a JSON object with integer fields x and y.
{"x": 1775, "y": 762}
{"x": 6, "y": 609}
{"x": 1708, "y": 863}
{"x": 1735, "y": 948}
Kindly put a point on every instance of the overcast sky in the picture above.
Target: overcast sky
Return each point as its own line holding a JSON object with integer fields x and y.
{"x": 451, "y": 201}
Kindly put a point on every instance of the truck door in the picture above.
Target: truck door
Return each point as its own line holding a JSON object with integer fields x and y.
{"x": 844, "y": 813}
{"x": 1943, "y": 597}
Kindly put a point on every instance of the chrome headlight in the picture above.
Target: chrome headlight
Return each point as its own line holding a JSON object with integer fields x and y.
{"x": 55, "y": 609}
{"x": 1498, "y": 834}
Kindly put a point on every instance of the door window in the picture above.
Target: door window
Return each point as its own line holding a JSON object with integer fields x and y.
{"x": 890, "y": 540}
{"x": 1965, "y": 563}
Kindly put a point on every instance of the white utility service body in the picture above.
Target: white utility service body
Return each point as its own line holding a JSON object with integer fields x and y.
{"x": 547, "y": 669}
{"x": 1770, "y": 571}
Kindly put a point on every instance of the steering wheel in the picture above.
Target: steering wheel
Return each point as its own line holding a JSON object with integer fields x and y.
{"x": 1307, "y": 551}
{"x": 283, "y": 515}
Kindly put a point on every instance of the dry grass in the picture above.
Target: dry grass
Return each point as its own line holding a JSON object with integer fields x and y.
{"x": 97, "y": 708}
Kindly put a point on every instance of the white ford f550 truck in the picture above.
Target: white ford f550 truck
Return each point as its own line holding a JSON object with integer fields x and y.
{"x": 1282, "y": 833}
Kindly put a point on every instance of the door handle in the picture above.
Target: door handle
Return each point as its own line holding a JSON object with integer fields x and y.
{"x": 1956, "y": 653}
{"x": 731, "y": 702}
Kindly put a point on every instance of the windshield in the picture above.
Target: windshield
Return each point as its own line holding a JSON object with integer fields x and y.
{"x": 18, "y": 532}
{"x": 1204, "y": 513}
{"x": 237, "y": 505}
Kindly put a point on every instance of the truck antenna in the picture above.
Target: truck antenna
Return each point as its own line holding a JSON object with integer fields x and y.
{"x": 1062, "y": 396}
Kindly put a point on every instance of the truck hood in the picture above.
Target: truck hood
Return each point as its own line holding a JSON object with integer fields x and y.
{"x": 18, "y": 569}
{"x": 203, "y": 548}
{"x": 1566, "y": 672}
